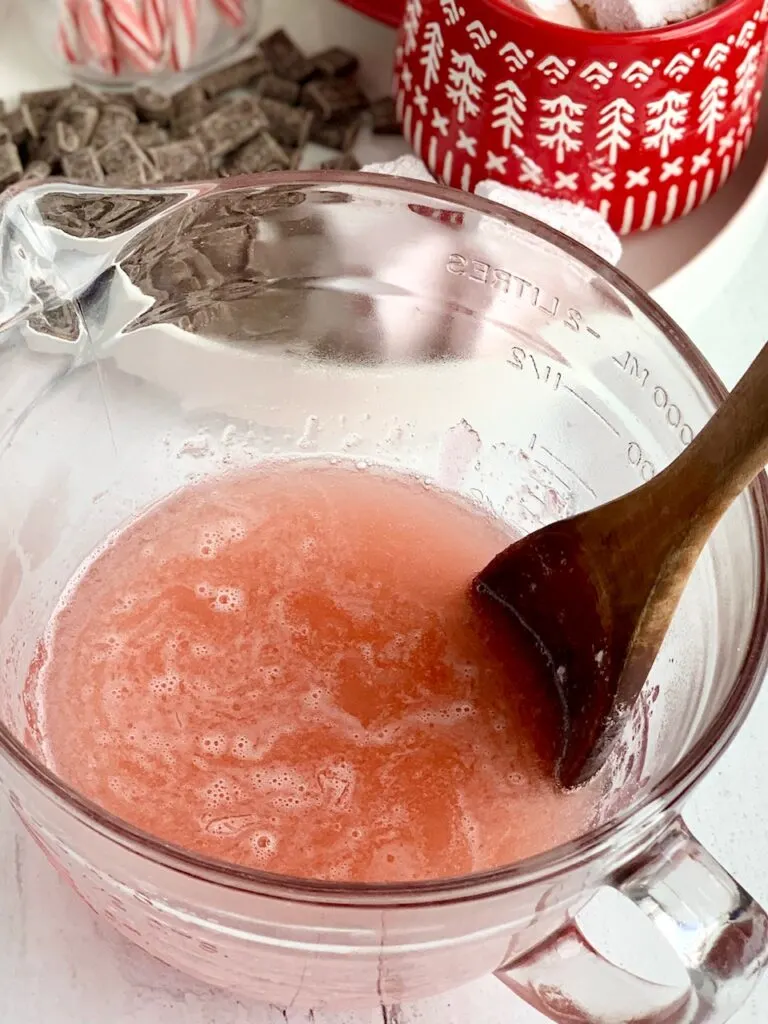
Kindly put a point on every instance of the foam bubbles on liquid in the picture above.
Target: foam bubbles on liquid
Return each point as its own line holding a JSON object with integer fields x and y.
{"x": 222, "y": 599}
{"x": 214, "y": 743}
{"x": 229, "y": 599}
{"x": 165, "y": 685}
{"x": 218, "y": 791}
{"x": 263, "y": 844}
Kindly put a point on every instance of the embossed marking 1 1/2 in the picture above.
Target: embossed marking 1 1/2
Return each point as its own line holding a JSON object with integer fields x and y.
{"x": 545, "y": 372}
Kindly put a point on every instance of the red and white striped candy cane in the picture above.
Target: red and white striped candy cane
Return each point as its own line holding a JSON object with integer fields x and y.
{"x": 156, "y": 24}
{"x": 69, "y": 32}
{"x": 183, "y": 32}
{"x": 132, "y": 40}
{"x": 232, "y": 11}
{"x": 95, "y": 37}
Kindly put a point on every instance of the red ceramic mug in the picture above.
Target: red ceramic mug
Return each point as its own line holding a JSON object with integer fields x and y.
{"x": 641, "y": 126}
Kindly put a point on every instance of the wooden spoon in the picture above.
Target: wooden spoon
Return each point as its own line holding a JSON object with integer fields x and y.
{"x": 598, "y": 591}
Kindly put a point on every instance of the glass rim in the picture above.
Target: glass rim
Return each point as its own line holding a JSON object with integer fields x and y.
{"x": 651, "y": 806}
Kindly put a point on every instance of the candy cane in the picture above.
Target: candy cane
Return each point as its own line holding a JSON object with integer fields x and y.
{"x": 184, "y": 33}
{"x": 69, "y": 33}
{"x": 95, "y": 35}
{"x": 231, "y": 10}
{"x": 156, "y": 24}
{"x": 131, "y": 36}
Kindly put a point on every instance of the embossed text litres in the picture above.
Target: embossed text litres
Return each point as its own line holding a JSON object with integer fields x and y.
{"x": 519, "y": 288}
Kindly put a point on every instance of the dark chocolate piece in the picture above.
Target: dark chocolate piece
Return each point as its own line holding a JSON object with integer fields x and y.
{"x": 184, "y": 160}
{"x": 342, "y": 162}
{"x": 116, "y": 119}
{"x": 21, "y": 124}
{"x": 384, "y": 119}
{"x": 153, "y": 105}
{"x": 335, "y": 62}
{"x": 258, "y": 155}
{"x": 5, "y": 132}
{"x": 275, "y": 88}
{"x": 83, "y": 166}
{"x": 41, "y": 104}
{"x": 125, "y": 158}
{"x": 233, "y": 123}
{"x": 62, "y": 322}
{"x": 285, "y": 58}
{"x": 190, "y": 107}
{"x": 66, "y": 139}
{"x": 45, "y": 99}
{"x": 235, "y": 76}
{"x": 38, "y": 170}
{"x": 83, "y": 117}
{"x": 289, "y": 125}
{"x": 151, "y": 134}
{"x": 333, "y": 97}
{"x": 341, "y": 134}
{"x": 11, "y": 168}
{"x": 123, "y": 179}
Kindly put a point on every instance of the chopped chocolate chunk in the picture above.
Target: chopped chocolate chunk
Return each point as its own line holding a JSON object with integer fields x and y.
{"x": 289, "y": 125}
{"x": 235, "y": 76}
{"x": 21, "y": 124}
{"x": 150, "y": 134}
{"x": 11, "y": 168}
{"x": 83, "y": 166}
{"x": 342, "y": 162}
{"x": 275, "y": 88}
{"x": 232, "y": 124}
{"x": 66, "y": 139}
{"x": 123, "y": 179}
{"x": 63, "y": 322}
{"x": 260, "y": 154}
{"x": 83, "y": 117}
{"x": 384, "y": 119}
{"x": 333, "y": 97}
{"x": 125, "y": 158}
{"x": 335, "y": 62}
{"x": 116, "y": 119}
{"x": 153, "y": 105}
{"x": 341, "y": 134}
{"x": 190, "y": 107}
{"x": 296, "y": 156}
{"x": 184, "y": 160}
{"x": 5, "y": 132}
{"x": 45, "y": 99}
{"x": 38, "y": 170}
{"x": 285, "y": 58}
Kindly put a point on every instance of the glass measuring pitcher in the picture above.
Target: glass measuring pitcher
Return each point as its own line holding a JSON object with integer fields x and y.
{"x": 160, "y": 336}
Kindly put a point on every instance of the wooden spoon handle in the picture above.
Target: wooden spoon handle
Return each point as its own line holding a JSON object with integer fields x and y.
{"x": 726, "y": 454}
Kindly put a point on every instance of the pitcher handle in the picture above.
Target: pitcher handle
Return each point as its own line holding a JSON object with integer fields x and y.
{"x": 719, "y": 932}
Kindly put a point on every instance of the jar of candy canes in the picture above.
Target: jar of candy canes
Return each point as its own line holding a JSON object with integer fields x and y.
{"x": 120, "y": 43}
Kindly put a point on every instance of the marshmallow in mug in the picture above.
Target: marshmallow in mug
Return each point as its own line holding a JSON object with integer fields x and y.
{"x": 561, "y": 12}
{"x": 633, "y": 15}
{"x": 572, "y": 219}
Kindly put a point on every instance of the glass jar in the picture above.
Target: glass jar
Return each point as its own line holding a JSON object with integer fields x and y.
{"x": 121, "y": 43}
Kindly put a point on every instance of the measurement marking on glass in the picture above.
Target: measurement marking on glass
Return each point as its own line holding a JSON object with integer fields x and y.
{"x": 592, "y": 331}
{"x": 592, "y": 409}
{"x": 565, "y": 466}
{"x": 551, "y": 471}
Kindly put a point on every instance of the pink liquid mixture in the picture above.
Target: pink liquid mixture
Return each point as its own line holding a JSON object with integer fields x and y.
{"x": 283, "y": 669}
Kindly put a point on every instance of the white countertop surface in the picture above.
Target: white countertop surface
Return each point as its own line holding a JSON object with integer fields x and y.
{"x": 58, "y": 965}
